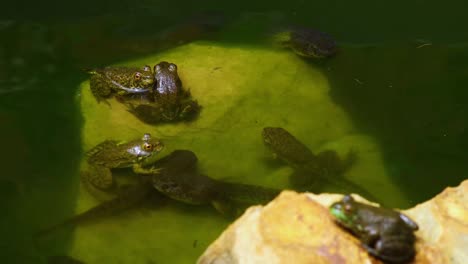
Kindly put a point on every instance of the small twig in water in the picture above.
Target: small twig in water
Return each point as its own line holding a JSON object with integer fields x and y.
{"x": 423, "y": 45}
{"x": 358, "y": 81}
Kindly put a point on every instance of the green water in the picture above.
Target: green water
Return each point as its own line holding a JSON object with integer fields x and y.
{"x": 408, "y": 96}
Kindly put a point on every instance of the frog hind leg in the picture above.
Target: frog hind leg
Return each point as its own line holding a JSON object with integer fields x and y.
{"x": 396, "y": 257}
{"x": 409, "y": 222}
{"x": 189, "y": 110}
{"x": 99, "y": 177}
{"x": 99, "y": 89}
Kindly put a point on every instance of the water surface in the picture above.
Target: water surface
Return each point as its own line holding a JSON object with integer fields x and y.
{"x": 400, "y": 81}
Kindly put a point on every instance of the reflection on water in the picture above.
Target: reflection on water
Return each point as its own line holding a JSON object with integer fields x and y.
{"x": 409, "y": 97}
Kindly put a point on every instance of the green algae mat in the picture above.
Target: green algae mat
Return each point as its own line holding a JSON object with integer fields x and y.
{"x": 241, "y": 91}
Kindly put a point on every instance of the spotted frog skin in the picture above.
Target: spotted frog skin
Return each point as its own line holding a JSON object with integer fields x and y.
{"x": 179, "y": 180}
{"x": 169, "y": 102}
{"x": 307, "y": 42}
{"x": 385, "y": 233}
{"x": 311, "y": 170}
{"x": 109, "y": 81}
{"x": 112, "y": 154}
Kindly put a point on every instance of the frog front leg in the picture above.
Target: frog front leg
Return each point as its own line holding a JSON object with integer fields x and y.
{"x": 139, "y": 169}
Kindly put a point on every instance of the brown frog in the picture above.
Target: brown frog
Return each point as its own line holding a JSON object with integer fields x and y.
{"x": 169, "y": 102}
{"x": 384, "y": 233}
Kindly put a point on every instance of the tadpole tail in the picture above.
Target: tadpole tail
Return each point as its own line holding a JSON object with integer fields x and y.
{"x": 231, "y": 199}
{"x": 346, "y": 186}
{"x": 120, "y": 203}
{"x": 246, "y": 194}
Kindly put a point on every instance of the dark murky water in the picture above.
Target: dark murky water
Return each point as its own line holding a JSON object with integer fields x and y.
{"x": 401, "y": 75}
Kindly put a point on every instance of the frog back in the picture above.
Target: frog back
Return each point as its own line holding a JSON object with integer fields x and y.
{"x": 287, "y": 147}
{"x": 187, "y": 187}
{"x": 127, "y": 77}
{"x": 111, "y": 154}
{"x": 179, "y": 180}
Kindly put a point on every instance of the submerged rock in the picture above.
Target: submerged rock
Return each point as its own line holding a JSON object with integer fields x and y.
{"x": 307, "y": 233}
{"x": 241, "y": 90}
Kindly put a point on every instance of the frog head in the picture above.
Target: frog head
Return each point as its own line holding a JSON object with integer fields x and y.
{"x": 146, "y": 147}
{"x": 346, "y": 213}
{"x": 143, "y": 77}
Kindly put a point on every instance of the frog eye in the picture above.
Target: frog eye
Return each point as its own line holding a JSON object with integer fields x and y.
{"x": 137, "y": 76}
{"x": 147, "y": 68}
{"x": 146, "y": 137}
{"x": 172, "y": 67}
{"x": 348, "y": 208}
{"x": 157, "y": 68}
{"x": 148, "y": 147}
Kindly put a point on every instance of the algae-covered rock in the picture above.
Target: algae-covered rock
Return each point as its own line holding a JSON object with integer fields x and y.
{"x": 241, "y": 90}
{"x": 298, "y": 228}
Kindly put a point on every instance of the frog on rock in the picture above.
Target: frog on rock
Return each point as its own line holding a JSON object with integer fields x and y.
{"x": 386, "y": 234}
{"x": 109, "y": 81}
{"x": 112, "y": 154}
{"x": 169, "y": 102}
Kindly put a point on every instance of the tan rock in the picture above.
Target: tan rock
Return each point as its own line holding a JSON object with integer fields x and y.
{"x": 443, "y": 223}
{"x": 297, "y": 228}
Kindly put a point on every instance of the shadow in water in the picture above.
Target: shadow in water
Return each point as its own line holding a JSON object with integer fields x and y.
{"x": 411, "y": 98}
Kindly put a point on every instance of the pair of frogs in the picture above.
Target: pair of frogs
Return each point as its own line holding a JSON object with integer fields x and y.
{"x": 153, "y": 96}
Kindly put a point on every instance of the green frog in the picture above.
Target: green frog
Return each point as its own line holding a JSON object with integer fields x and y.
{"x": 109, "y": 81}
{"x": 311, "y": 170}
{"x": 385, "y": 233}
{"x": 112, "y": 154}
{"x": 307, "y": 42}
{"x": 179, "y": 180}
{"x": 169, "y": 102}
